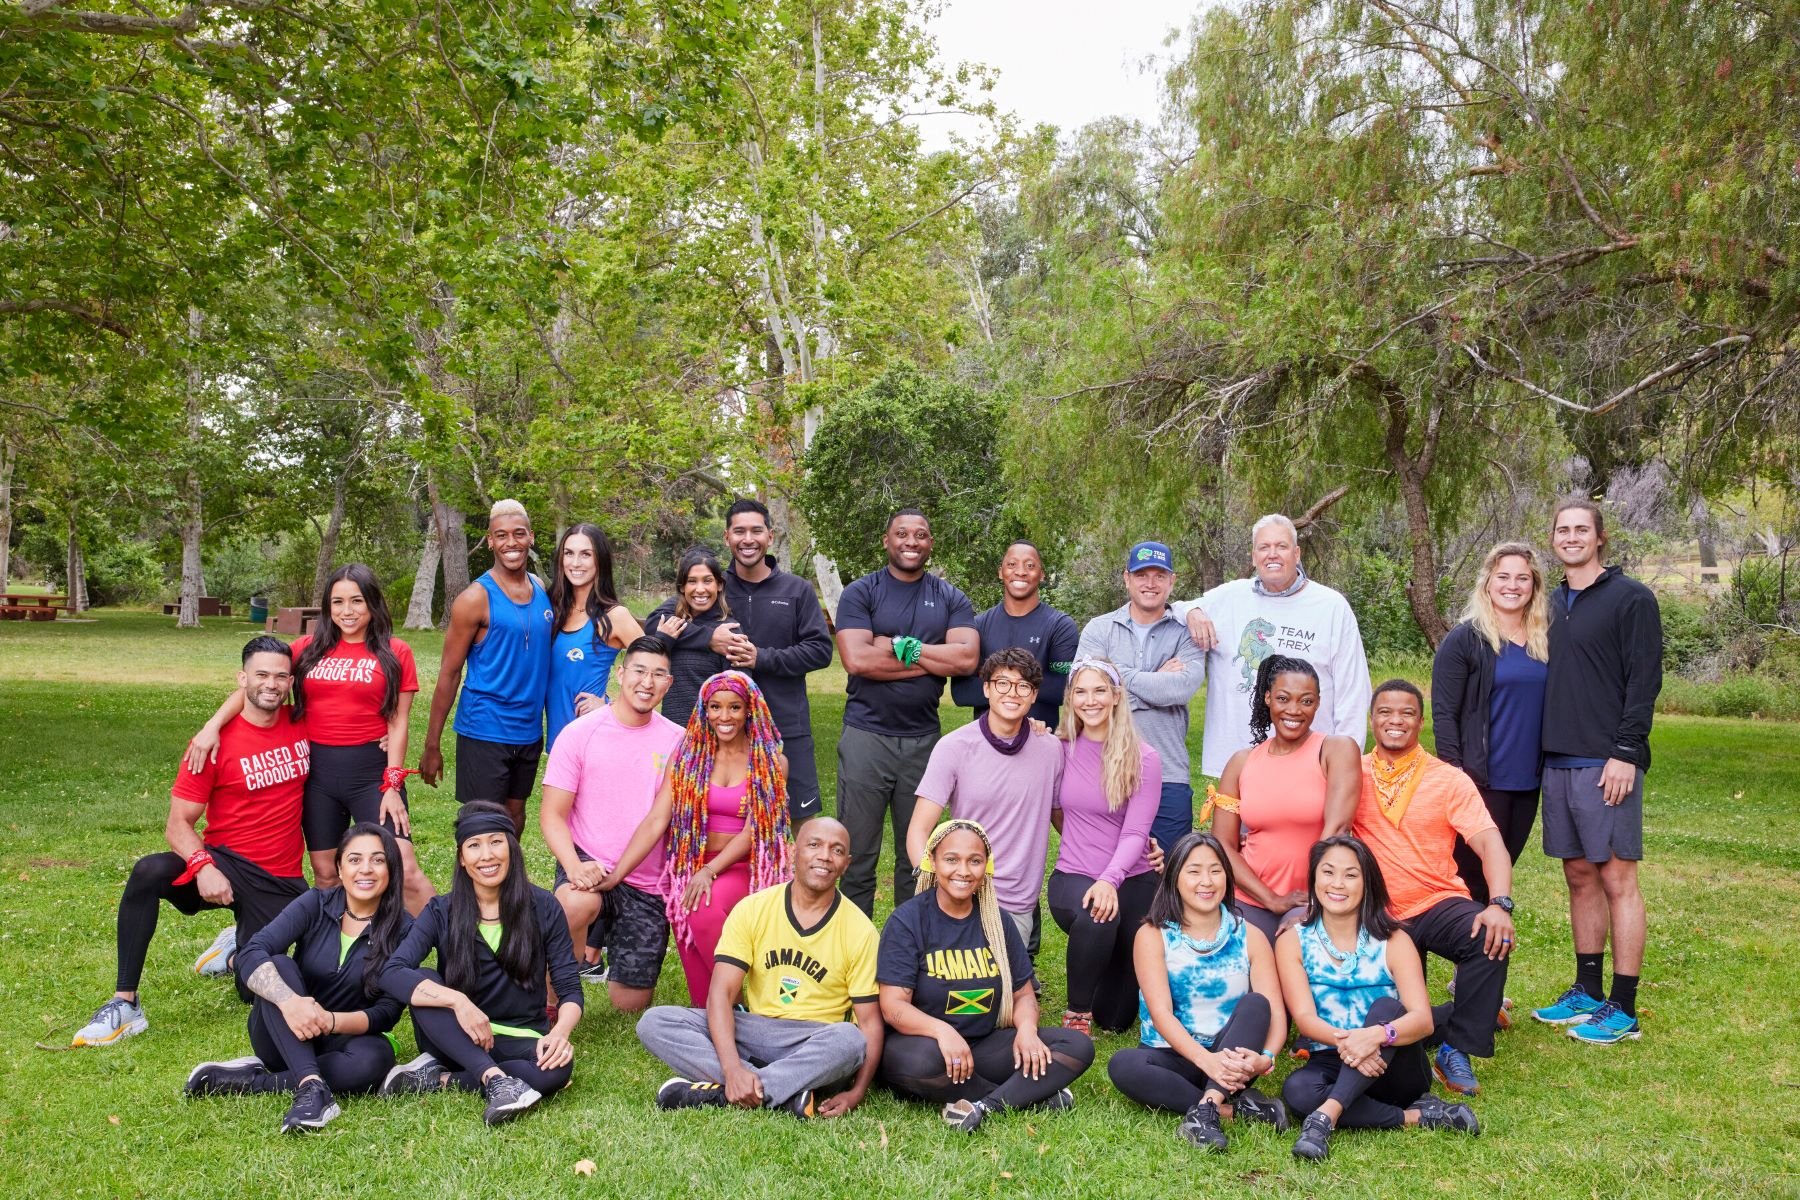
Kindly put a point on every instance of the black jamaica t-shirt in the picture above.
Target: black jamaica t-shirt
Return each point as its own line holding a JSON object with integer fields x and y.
{"x": 948, "y": 965}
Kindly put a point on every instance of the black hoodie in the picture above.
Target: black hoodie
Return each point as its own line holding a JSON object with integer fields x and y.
{"x": 1605, "y": 670}
{"x": 784, "y": 621}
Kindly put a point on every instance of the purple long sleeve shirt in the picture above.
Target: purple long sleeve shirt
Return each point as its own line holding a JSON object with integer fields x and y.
{"x": 1097, "y": 841}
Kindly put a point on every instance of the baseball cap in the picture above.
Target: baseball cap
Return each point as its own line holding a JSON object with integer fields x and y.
{"x": 1150, "y": 554}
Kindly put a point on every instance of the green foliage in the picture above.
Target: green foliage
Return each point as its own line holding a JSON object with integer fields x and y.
{"x": 124, "y": 572}
{"x": 1763, "y": 591}
{"x": 911, "y": 440}
{"x": 1375, "y": 584}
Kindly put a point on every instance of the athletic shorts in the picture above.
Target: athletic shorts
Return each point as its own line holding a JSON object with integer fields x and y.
{"x": 257, "y": 897}
{"x": 343, "y": 786}
{"x": 634, "y": 929}
{"x": 1579, "y": 824}
{"x": 495, "y": 771}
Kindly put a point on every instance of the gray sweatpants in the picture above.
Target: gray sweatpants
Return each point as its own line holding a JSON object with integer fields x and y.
{"x": 878, "y": 783}
{"x": 789, "y": 1056}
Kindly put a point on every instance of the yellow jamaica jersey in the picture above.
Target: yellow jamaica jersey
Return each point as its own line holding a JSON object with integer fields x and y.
{"x": 802, "y": 974}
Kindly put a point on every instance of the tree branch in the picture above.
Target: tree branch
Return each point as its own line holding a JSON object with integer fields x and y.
{"x": 1698, "y": 358}
{"x": 98, "y": 320}
{"x": 1324, "y": 502}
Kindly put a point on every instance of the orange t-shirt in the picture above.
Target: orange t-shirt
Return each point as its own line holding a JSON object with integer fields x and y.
{"x": 1418, "y": 858}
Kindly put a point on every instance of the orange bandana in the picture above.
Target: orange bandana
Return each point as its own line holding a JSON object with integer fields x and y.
{"x": 1396, "y": 781}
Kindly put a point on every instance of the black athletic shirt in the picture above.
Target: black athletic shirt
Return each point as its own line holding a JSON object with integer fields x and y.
{"x": 1049, "y": 634}
{"x": 494, "y": 992}
{"x": 311, "y": 928}
{"x": 1605, "y": 670}
{"x": 927, "y": 608}
{"x": 948, "y": 965}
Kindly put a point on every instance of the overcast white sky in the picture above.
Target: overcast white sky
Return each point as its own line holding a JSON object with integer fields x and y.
{"x": 1062, "y": 62}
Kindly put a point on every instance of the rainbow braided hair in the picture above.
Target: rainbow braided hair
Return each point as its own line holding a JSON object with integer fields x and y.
{"x": 690, "y": 774}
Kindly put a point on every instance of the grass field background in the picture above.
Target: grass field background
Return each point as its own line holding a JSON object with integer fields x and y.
{"x": 94, "y": 715}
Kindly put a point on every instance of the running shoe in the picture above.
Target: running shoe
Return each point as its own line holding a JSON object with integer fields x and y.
{"x": 216, "y": 958}
{"x": 113, "y": 1022}
{"x": 1609, "y": 1024}
{"x": 803, "y": 1105}
{"x": 689, "y": 1093}
{"x": 232, "y": 1077}
{"x": 1452, "y": 1068}
{"x": 593, "y": 974}
{"x": 1201, "y": 1127}
{"x": 1439, "y": 1114}
{"x": 1314, "y": 1142}
{"x": 1503, "y": 1020}
{"x": 422, "y": 1074}
{"x": 314, "y": 1107}
{"x": 1572, "y": 1007}
{"x": 1063, "y": 1101}
{"x": 507, "y": 1097}
{"x": 1080, "y": 1022}
{"x": 964, "y": 1116}
{"x": 1252, "y": 1105}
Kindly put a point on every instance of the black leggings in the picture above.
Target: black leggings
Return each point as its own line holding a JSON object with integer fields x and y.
{"x": 1160, "y": 1078}
{"x": 1514, "y": 813}
{"x": 914, "y": 1066}
{"x": 1101, "y": 978}
{"x": 1378, "y": 1103}
{"x": 346, "y": 1062}
{"x": 257, "y": 898}
{"x": 439, "y": 1035}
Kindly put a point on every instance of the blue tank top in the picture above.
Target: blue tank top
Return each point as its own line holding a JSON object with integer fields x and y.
{"x": 576, "y": 665}
{"x": 1205, "y": 981}
{"x": 508, "y": 670}
{"x": 1345, "y": 986}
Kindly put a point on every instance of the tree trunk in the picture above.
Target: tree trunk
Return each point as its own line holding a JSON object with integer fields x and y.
{"x": 6, "y": 522}
{"x": 1709, "y": 550}
{"x": 453, "y": 544}
{"x": 328, "y": 537}
{"x": 75, "y": 567}
{"x": 424, "y": 590}
{"x": 193, "y": 583}
{"x": 1411, "y": 473}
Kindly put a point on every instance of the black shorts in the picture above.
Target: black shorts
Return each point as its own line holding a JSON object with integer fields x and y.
{"x": 343, "y": 786}
{"x": 634, "y": 928}
{"x": 257, "y": 897}
{"x": 495, "y": 771}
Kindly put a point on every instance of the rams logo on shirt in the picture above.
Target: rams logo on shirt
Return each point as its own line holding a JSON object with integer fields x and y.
{"x": 575, "y": 654}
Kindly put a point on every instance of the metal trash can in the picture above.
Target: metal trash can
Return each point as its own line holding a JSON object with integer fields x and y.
{"x": 259, "y": 609}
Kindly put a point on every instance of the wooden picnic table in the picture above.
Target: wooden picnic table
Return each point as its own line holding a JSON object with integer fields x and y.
{"x": 32, "y": 606}
{"x": 210, "y": 606}
{"x": 293, "y": 621}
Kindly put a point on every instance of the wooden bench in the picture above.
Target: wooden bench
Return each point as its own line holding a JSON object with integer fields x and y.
{"x": 20, "y": 606}
{"x": 293, "y": 621}
{"x": 209, "y": 607}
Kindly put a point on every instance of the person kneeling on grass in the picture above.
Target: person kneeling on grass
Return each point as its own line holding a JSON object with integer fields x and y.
{"x": 319, "y": 1020}
{"x": 957, "y": 995}
{"x": 801, "y": 959}
{"x": 1354, "y": 982}
{"x": 1211, "y": 1015}
{"x": 482, "y": 1024}
{"x": 248, "y": 859}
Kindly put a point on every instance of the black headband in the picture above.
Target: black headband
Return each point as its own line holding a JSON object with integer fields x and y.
{"x": 469, "y": 824}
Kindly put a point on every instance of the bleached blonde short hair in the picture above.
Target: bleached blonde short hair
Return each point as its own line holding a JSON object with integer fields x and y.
{"x": 508, "y": 508}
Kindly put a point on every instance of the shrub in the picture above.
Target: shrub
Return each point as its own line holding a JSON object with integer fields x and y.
{"x": 124, "y": 573}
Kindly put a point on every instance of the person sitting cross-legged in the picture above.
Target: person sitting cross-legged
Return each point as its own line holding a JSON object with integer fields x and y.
{"x": 800, "y": 958}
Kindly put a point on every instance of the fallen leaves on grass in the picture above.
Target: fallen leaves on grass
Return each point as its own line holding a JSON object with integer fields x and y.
{"x": 585, "y": 1167}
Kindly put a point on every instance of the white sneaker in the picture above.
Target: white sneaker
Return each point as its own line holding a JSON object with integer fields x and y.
{"x": 115, "y": 1021}
{"x": 216, "y": 958}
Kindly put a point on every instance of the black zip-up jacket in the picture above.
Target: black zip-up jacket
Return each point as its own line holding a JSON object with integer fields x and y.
{"x": 494, "y": 991}
{"x": 310, "y": 928}
{"x": 1605, "y": 670}
{"x": 783, "y": 619}
{"x": 691, "y": 657}
{"x": 1462, "y": 687}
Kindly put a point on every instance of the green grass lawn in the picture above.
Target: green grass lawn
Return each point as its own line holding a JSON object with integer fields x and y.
{"x": 93, "y": 716}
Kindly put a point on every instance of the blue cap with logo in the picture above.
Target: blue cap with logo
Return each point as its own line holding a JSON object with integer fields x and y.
{"x": 1150, "y": 554}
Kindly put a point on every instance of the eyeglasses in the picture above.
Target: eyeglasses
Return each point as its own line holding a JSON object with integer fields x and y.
{"x": 656, "y": 676}
{"x": 1009, "y": 687}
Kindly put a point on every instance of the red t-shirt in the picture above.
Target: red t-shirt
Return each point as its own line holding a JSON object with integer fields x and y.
{"x": 344, "y": 691}
{"x": 253, "y": 792}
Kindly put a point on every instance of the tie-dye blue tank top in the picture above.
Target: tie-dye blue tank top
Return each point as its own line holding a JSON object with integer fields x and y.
{"x": 1345, "y": 986}
{"x": 1205, "y": 980}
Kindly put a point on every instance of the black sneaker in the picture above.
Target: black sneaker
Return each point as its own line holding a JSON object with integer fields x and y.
{"x": 233, "y": 1077}
{"x": 1252, "y": 1105}
{"x": 422, "y": 1074}
{"x": 1314, "y": 1142}
{"x": 688, "y": 1093}
{"x": 1437, "y": 1114}
{"x": 1063, "y": 1101}
{"x": 803, "y": 1104}
{"x": 964, "y": 1116}
{"x": 507, "y": 1097}
{"x": 1201, "y": 1127}
{"x": 314, "y": 1107}
{"x": 593, "y": 974}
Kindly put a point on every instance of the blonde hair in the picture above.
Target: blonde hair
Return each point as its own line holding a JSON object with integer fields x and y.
{"x": 985, "y": 904}
{"x": 508, "y": 508}
{"x": 1121, "y": 751}
{"x": 1480, "y": 614}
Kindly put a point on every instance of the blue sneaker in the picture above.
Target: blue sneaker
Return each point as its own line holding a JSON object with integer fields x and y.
{"x": 1452, "y": 1068}
{"x": 1609, "y": 1024}
{"x": 1573, "y": 1006}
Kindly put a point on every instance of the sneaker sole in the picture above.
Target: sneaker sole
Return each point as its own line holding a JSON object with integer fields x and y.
{"x": 247, "y": 1061}
{"x": 1612, "y": 1040}
{"x": 501, "y": 1116}
{"x": 664, "y": 1094}
{"x": 1538, "y": 1016}
{"x": 1503, "y": 1020}
{"x": 1451, "y": 1087}
{"x": 129, "y": 1029}
{"x": 387, "y": 1087}
{"x": 325, "y": 1118}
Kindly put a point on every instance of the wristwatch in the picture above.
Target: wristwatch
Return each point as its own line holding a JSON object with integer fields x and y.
{"x": 1504, "y": 903}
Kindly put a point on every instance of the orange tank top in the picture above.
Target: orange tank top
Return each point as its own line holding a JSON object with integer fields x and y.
{"x": 1281, "y": 802}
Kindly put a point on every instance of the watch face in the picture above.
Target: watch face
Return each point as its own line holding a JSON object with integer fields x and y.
{"x": 1505, "y": 903}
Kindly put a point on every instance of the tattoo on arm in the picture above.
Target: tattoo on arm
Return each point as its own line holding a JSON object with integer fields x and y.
{"x": 267, "y": 982}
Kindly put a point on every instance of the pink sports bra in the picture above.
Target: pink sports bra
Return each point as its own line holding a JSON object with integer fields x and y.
{"x": 725, "y": 807}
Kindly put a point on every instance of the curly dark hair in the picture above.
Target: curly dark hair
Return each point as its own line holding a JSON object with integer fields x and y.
{"x": 1013, "y": 658}
{"x": 1275, "y": 664}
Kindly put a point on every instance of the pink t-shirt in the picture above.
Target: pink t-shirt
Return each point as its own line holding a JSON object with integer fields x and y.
{"x": 1009, "y": 795}
{"x": 614, "y": 771}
